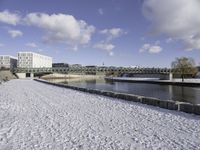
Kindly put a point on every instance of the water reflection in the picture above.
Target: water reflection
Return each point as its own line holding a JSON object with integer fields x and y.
{"x": 165, "y": 92}
{"x": 186, "y": 94}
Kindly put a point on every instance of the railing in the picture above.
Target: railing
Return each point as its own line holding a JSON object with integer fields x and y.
{"x": 94, "y": 70}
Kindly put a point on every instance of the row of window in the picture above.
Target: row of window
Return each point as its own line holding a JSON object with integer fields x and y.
{"x": 4, "y": 57}
{"x": 26, "y": 56}
{"x": 4, "y": 63}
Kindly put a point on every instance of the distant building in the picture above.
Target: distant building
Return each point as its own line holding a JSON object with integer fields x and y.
{"x": 8, "y": 62}
{"x": 91, "y": 66}
{"x": 33, "y": 60}
{"x": 76, "y": 65}
{"x": 57, "y": 65}
{"x": 135, "y": 66}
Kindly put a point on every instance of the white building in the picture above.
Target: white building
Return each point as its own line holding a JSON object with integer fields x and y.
{"x": 33, "y": 60}
{"x": 8, "y": 62}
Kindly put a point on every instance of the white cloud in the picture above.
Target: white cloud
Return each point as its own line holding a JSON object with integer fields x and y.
{"x": 9, "y": 18}
{"x": 144, "y": 48}
{"x": 105, "y": 46}
{"x": 110, "y": 35}
{"x": 100, "y": 11}
{"x": 177, "y": 19}
{"x": 62, "y": 28}
{"x": 113, "y": 33}
{"x": 150, "y": 48}
{"x": 31, "y": 44}
{"x": 15, "y": 33}
{"x": 155, "y": 49}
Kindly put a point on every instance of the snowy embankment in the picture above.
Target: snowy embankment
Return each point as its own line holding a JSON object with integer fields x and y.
{"x": 38, "y": 116}
{"x": 134, "y": 79}
{"x": 187, "y": 80}
{"x": 155, "y": 80}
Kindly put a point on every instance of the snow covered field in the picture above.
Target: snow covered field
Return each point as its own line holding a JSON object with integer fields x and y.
{"x": 34, "y": 115}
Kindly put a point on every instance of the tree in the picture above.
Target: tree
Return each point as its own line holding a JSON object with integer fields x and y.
{"x": 184, "y": 66}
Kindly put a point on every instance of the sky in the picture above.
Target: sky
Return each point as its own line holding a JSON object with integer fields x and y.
{"x": 146, "y": 33}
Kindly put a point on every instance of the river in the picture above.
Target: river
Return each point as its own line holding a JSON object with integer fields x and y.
{"x": 164, "y": 92}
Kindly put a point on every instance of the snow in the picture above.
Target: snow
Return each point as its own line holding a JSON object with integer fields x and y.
{"x": 187, "y": 80}
{"x": 37, "y": 116}
{"x": 135, "y": 79}
{"x": 155, "y": 79}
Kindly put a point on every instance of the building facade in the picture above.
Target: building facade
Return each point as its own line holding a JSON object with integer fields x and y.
{"x": 8, "y": 62}
{"x": 33, "y": 60}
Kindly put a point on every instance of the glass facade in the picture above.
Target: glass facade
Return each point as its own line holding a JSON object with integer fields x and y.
{"x": 33, "y": 60}
{"x": 8, "y": 62}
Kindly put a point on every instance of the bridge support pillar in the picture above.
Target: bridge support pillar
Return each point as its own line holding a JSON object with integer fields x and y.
{"x": 170, "y": 76}
{"x": 21, "y": 75}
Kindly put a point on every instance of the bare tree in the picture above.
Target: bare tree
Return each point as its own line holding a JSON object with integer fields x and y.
{"x": 184, "y": 66}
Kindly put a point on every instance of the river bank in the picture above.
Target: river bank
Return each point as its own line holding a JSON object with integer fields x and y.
{"x": 70, "y": 76}
{"x": 34, "y": 115}
{"x": 171, "y": 104}
{"x": 187, "y": 82}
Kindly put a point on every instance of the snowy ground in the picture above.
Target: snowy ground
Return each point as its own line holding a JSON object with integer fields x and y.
{"x": 156, "y": 79}
{"x": 186, "y": 80}
{"x": 38, "y": 116}
{"x": 134, "y": 78}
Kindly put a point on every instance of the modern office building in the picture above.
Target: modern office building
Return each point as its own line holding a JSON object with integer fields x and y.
{"x": 8, "y": 62}
{"x": 33, "y": 60}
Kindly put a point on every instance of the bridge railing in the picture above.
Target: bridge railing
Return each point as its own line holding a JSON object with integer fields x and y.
{"x": 94, "y": 69}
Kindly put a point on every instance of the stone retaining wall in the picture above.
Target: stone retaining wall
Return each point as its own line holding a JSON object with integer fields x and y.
{"x": 167, "y": 104}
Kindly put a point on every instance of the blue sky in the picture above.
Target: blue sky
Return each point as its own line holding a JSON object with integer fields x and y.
{"x": 148, "y": 33}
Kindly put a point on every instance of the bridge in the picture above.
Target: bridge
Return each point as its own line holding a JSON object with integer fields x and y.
{"x": 137, "y": 72}
{"x": 93, "y": 69}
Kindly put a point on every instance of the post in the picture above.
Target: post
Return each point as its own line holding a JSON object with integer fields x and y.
{"x": 32, "y": 75}
{"x": 170, "y": 76}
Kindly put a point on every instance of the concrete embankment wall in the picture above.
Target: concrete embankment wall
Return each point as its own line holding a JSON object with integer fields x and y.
{"x": 167, "y": 104}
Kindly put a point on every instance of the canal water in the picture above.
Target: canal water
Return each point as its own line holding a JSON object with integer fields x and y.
{"x": 164, "y": 92}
